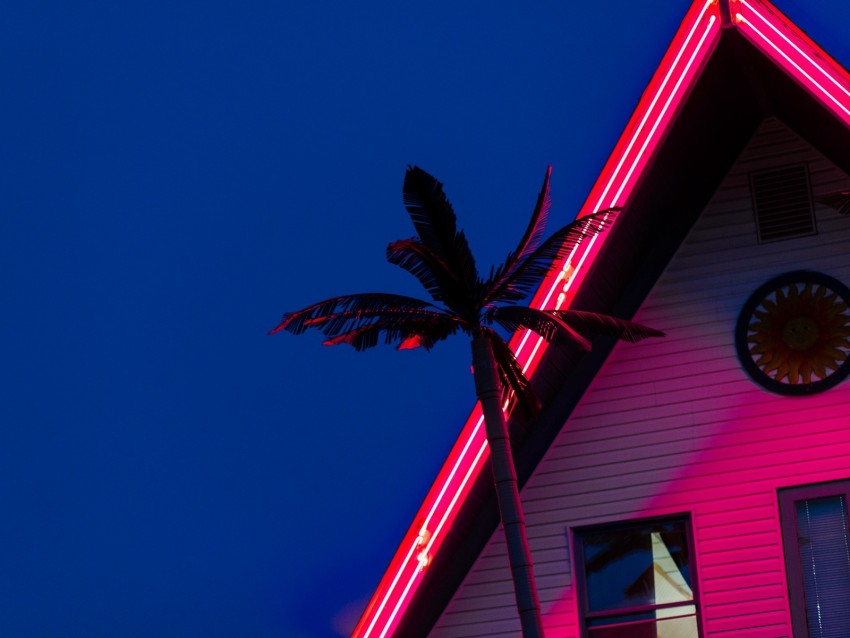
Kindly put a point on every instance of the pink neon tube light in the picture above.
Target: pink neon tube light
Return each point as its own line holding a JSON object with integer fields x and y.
{"x": 794, "y": 52}
{"x": 691, "y": 46}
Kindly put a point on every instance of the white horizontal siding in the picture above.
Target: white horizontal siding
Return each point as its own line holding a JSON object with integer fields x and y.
{"x": 675, "y": 425}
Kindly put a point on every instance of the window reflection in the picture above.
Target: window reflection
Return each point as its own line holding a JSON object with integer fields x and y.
{"x": 637, "y": 581}
{"x": 638, "y": 566}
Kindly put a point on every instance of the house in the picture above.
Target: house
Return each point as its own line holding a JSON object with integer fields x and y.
{"x": 695, "y": 485}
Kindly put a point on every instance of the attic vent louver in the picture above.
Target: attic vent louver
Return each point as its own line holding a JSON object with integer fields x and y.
{"x": 782, "y": 201}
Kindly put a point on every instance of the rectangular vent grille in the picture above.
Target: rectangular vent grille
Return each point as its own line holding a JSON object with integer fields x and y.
{"x": 782, "y": 201}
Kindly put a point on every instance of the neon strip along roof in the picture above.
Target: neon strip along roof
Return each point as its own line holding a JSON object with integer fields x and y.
{"x": 784, "y": 45}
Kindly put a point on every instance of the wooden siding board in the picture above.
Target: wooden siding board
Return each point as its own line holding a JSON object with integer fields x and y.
{"x": 738, "y": 582}
{"x": 480, "y": 629}
{"x": 744, "y": 623}
{"x": 774, "y": 605}
{"x": 734, "y": 555}
{"x": 702, "y": 483}
{"x": 648, "y": 439}
{"x": 732, "y": 596}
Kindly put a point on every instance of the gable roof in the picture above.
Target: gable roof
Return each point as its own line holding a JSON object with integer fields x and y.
{"x": 730, "y": 64}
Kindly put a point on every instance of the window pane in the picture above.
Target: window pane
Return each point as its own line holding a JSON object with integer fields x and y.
{"x": 683, "y": 627}
{"x": 825, "y": 557}
{"x": 643, "y": 565}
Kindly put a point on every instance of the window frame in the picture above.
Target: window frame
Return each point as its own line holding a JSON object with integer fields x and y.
{"x": 787, "y": 497}
{"x": 585, "y": 614}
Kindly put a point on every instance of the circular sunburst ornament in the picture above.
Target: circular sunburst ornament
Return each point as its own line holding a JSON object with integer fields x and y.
{"x": 793, "y": 334}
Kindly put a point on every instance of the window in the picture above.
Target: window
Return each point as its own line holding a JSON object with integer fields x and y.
{"x": 817, "y": 558}
{"x": 637, "y": 580}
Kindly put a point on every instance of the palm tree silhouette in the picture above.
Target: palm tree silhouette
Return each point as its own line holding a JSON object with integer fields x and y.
{"x": 440, "y": 258}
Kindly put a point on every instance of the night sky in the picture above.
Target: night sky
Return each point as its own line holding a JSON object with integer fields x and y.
{"x": 175, "y": 175}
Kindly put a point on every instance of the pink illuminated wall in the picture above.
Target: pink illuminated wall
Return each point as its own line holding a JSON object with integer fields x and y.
{"x": 694, "y": 42}
{"x": 675, "y": 426}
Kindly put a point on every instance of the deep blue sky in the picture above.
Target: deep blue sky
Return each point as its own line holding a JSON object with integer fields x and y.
{"x": 173, "y": 176}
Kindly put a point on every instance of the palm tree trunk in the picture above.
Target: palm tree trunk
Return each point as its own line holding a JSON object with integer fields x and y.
{"x": 488, "y": 389}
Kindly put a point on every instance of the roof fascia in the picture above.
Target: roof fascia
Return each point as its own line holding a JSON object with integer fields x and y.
{"x": 789, "y": 48}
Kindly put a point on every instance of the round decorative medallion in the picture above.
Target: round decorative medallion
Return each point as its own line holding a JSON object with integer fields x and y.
{"x": 793, "y": 334}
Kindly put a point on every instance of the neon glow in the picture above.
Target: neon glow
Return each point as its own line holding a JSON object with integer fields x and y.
{"x": 798, "y": 55}
{"x": 449, "y": 480}
{"x": 648, "y": 126}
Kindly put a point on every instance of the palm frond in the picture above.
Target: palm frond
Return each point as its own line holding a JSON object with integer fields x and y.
{"x": 839, "y": 200}
{"x": 530, "y": 240}
{"x": 543, "y": 322}
{"x": 432, "y": 272}
{"x": 342, "y": 314}
{"x": 593, "y": 324}
{"x": 523, "y": 402}
{"x": 408, "y": 333}
{"x": 527, "y": 275}
{"x": 436, "y": 224}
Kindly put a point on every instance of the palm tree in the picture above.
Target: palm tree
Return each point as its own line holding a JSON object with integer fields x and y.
{"x": 440, "y": 258}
